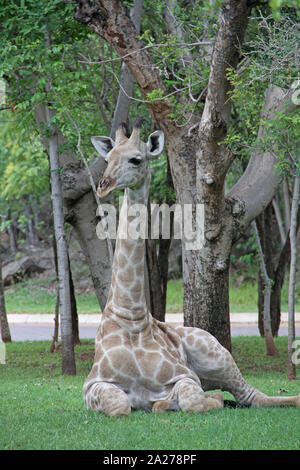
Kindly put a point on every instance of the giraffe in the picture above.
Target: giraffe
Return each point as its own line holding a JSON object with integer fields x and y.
{"x": 139, "y": 362}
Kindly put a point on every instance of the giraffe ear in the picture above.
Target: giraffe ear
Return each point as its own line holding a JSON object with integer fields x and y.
{"x": 155, "y": 144}
{"x": 102, "y": 144}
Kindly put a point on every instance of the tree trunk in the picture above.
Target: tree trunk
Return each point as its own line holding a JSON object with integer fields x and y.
{"x": 265, "y": 225}
{"x": 74, "y": 313}
{"x": 270, "y": 345}
{"x": 286, "y": 200}
{"x": 82, "y": 215}
{"x": 276, "y": 264}
{"x": 279, "y": 220}
{"x": 54, "y": 343}
{"x": 157, "y": 260}
{"x": 157, "y": 307}
{"x": 68, "y": 358}
{"x": 163, "y": 261}
{"x": 292, "y": 280}
{"x": 12, "y": 235}
{"x": 212, "y": 294}
{"x": 30, "y": 231}
{"x": 5, "y": 331}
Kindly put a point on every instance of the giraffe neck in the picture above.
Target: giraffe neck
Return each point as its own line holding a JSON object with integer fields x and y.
{"x": 126, "y": 299}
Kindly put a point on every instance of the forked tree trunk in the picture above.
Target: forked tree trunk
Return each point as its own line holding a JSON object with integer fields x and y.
{"x": 292, "y": 279}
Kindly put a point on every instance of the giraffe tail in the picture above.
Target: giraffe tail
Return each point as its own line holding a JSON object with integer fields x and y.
{"x": 235, "y": 404}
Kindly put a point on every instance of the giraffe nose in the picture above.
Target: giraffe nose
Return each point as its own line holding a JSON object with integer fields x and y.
{"x": 104, "y": 183}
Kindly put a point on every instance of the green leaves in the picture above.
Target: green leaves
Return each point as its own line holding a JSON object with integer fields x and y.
{"x": 24, "y": 168}
{"x": 276, "y": 6}
{"x": 155, "y": 95}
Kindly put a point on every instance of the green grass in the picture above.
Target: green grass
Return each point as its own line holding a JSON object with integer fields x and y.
{"x": 33, "y": 296}
{"x": 40, "y": 409}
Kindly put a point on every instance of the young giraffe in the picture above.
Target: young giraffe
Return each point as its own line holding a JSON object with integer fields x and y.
{"x": 141, "y": 363}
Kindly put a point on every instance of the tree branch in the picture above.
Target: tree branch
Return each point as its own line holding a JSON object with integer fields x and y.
{"x": 233, "y": 21}
{"x": 109, "y": 20}
{"x": 256, "y": 187}
{"x": 126, "y": 79}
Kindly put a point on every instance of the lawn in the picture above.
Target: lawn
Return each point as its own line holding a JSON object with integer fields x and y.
{"x": 34, "y": 296}
{"x": 40, "y": 409}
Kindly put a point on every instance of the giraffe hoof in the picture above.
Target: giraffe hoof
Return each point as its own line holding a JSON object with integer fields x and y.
{"x": 118, "y": 407}
{"x": 216, "y": 396}
{"x": 160, "y": 406}
{"x": 212, "y": 404}
{"x": 121, "y": 411}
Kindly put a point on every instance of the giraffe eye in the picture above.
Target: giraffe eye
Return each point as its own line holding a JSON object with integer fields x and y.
{"x": 135, "y": 161}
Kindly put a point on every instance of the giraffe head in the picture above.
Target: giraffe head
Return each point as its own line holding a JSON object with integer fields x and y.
{"x": 127, "y": 158}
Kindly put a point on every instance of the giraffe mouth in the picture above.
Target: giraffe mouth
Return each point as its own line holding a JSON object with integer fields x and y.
{"x": 106, "y": 185}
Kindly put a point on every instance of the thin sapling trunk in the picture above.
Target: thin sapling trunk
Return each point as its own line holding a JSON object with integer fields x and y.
{"x": 291, "y": 296}
{"x": 5, "y": 331}
{"x": 68, "y": 358}
{"x": 270, "y": 345}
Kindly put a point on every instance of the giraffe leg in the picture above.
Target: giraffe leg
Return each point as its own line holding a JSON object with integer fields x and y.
{"x": 261, "y": 399}
{"x": 215, "y": 366}
{"x": 108, "y": 398}
{"x": 191, "y": 398}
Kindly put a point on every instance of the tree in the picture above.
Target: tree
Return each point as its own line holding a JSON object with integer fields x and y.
{"x": 270, "y": 345}
{"x": 68, "y": 358}
{"x": 199, "y": 158}
{"x": 276, "y": 255}
{"x": 5, "y": 331}
{"x": 293, "y": 240}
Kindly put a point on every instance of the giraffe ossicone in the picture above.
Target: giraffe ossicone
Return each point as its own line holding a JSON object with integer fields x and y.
{"x": 141, "y": 363}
